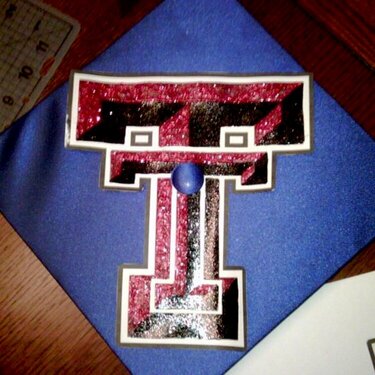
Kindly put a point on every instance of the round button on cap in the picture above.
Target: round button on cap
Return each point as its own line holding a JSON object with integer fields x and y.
{"x": 187, "y": 178}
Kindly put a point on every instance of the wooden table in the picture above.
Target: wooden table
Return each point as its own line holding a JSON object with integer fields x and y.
{"x": 41, "y": 330}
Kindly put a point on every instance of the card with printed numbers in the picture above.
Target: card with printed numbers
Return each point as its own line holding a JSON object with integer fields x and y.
{"x": 34, "y": 38}
{"x": 189, "y": 188}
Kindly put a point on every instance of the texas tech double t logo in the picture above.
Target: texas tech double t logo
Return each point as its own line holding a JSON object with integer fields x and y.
{"x": 227, "y": 127}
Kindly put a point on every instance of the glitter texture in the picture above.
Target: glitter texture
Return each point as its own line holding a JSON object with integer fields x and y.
{"x": 186, "y": 291}
{"x": 93, "y": 94}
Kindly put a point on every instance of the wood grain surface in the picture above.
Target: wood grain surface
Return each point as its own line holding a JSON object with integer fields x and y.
{"x": 334, "y": 65}
{"x": 41, "y": 330}
{"x": 353, "y": 22}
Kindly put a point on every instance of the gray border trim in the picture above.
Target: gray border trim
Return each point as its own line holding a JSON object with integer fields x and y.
{"x": 245, "y": 139}
{"x": 371, "y": 348}
{"x": 134, "y": 135}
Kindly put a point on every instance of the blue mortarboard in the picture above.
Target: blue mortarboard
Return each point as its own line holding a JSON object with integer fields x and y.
{"x": 289, "y": 240}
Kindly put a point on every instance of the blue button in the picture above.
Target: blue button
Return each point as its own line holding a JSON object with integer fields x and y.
{"x": 187, "y": 178}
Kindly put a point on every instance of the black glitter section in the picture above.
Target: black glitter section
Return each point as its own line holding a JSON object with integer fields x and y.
{"x": 183, "y": 331}
{"x": 212, "y": 229}
{"x": 260, "y": 176}
{"x": 291, "y": 130}
{"x": 206, "y": 120}
{"x": 115, "y": 117}
{"x": 229, "y": 326}
{"x": 193, "y": 235}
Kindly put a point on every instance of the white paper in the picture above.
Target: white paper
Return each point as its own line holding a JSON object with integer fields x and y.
{"x": 333, "y": 332}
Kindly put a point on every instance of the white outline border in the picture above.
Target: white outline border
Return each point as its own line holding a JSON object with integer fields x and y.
{"x": 148, "y": 267}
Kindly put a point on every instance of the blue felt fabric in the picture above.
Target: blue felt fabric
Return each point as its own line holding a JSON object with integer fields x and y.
{"x": 290, "y": 240}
